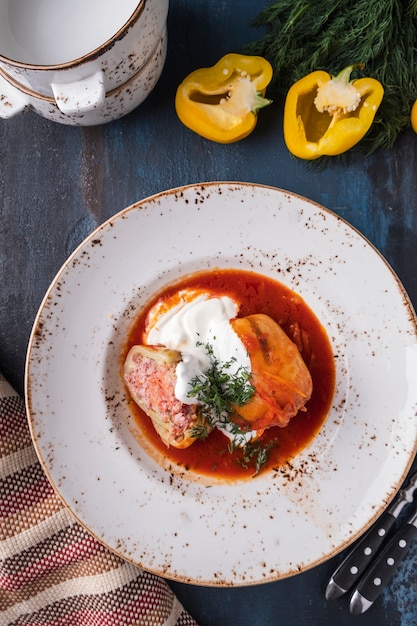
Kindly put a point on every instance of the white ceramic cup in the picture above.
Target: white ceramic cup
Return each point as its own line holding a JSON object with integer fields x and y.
{"x": 76, "y": 52}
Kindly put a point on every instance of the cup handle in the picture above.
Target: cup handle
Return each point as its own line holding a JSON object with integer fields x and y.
{"x": 80, "y": 96}
{"x": 12, "y": 101}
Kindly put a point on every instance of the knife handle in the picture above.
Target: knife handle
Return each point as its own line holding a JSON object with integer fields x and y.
{"x": 383, "y": 568}
{"x": 356, "y": 562}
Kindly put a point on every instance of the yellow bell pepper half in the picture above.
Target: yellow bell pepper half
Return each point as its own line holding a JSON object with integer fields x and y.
{"x": 325, "y": 115}
{"x": 221, "y": 102}
{"x": 414, "y": 117}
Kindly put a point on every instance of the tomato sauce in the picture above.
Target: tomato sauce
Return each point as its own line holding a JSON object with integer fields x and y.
{"x": 256, "y": 294}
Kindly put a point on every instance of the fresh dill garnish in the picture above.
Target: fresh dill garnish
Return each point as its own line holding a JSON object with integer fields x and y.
{"x": 255, "y": 454}
{"x": 200, "y": 431}
{"x": 301, "y": 36}
{"x": 219, "y": 389}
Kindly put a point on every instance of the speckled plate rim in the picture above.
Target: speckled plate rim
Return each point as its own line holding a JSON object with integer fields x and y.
{"x": 248, "y": 532}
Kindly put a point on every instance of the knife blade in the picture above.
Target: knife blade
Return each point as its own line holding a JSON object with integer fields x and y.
{"x": 356, "y": 562}
{"x": 383, "y": 568}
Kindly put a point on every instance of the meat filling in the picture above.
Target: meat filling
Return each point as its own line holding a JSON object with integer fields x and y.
{"x": 150, "y": 375}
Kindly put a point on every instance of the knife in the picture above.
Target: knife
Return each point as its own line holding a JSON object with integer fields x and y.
{"x": 384, "y": 566}
{"x": 356, "y": 562}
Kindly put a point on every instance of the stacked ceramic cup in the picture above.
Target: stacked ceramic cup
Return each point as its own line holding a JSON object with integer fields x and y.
{"x": 80, "y": 62}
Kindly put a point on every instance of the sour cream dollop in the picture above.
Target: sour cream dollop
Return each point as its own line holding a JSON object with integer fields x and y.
{"x": 194, "y": 321}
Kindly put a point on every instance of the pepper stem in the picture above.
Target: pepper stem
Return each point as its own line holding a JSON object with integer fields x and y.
{"x": 344, "y": 75}
{"x": 260, "y": 102}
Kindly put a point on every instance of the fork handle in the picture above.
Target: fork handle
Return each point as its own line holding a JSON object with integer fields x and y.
{"x": 382, "y": 569}
{"x": 356, "y": 562}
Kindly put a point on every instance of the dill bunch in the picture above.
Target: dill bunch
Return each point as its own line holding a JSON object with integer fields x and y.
{"x": 302, "y": 36}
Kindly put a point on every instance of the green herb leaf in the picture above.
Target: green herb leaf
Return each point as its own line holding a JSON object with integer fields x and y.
{"x": 256, "y": 454}
{"x": 218, "y": 389}
{"x": 200, "y": 432}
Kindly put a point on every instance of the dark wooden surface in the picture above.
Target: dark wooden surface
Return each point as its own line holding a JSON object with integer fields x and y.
{"x": 58, "y": 183}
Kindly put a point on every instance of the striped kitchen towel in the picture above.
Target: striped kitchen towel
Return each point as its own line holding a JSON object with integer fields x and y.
{"x": 52, "y": 571}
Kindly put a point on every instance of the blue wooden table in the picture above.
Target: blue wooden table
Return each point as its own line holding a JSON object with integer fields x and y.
{"x": 57, "y": 183}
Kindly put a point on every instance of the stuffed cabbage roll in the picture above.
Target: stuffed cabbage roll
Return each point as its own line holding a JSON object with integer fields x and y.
{"x": 149, "y": 373}
{"x": 279, "y": 375}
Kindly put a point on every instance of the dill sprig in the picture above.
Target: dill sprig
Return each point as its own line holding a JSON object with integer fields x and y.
{"x": 302, "y": 36}
{"x": 200, "y": 431}
{"x": 219, "y": 389}
{"x": 255, "y": 454}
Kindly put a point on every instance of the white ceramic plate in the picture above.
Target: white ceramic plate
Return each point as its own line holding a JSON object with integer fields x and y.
{"x": 280, "y": 523}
